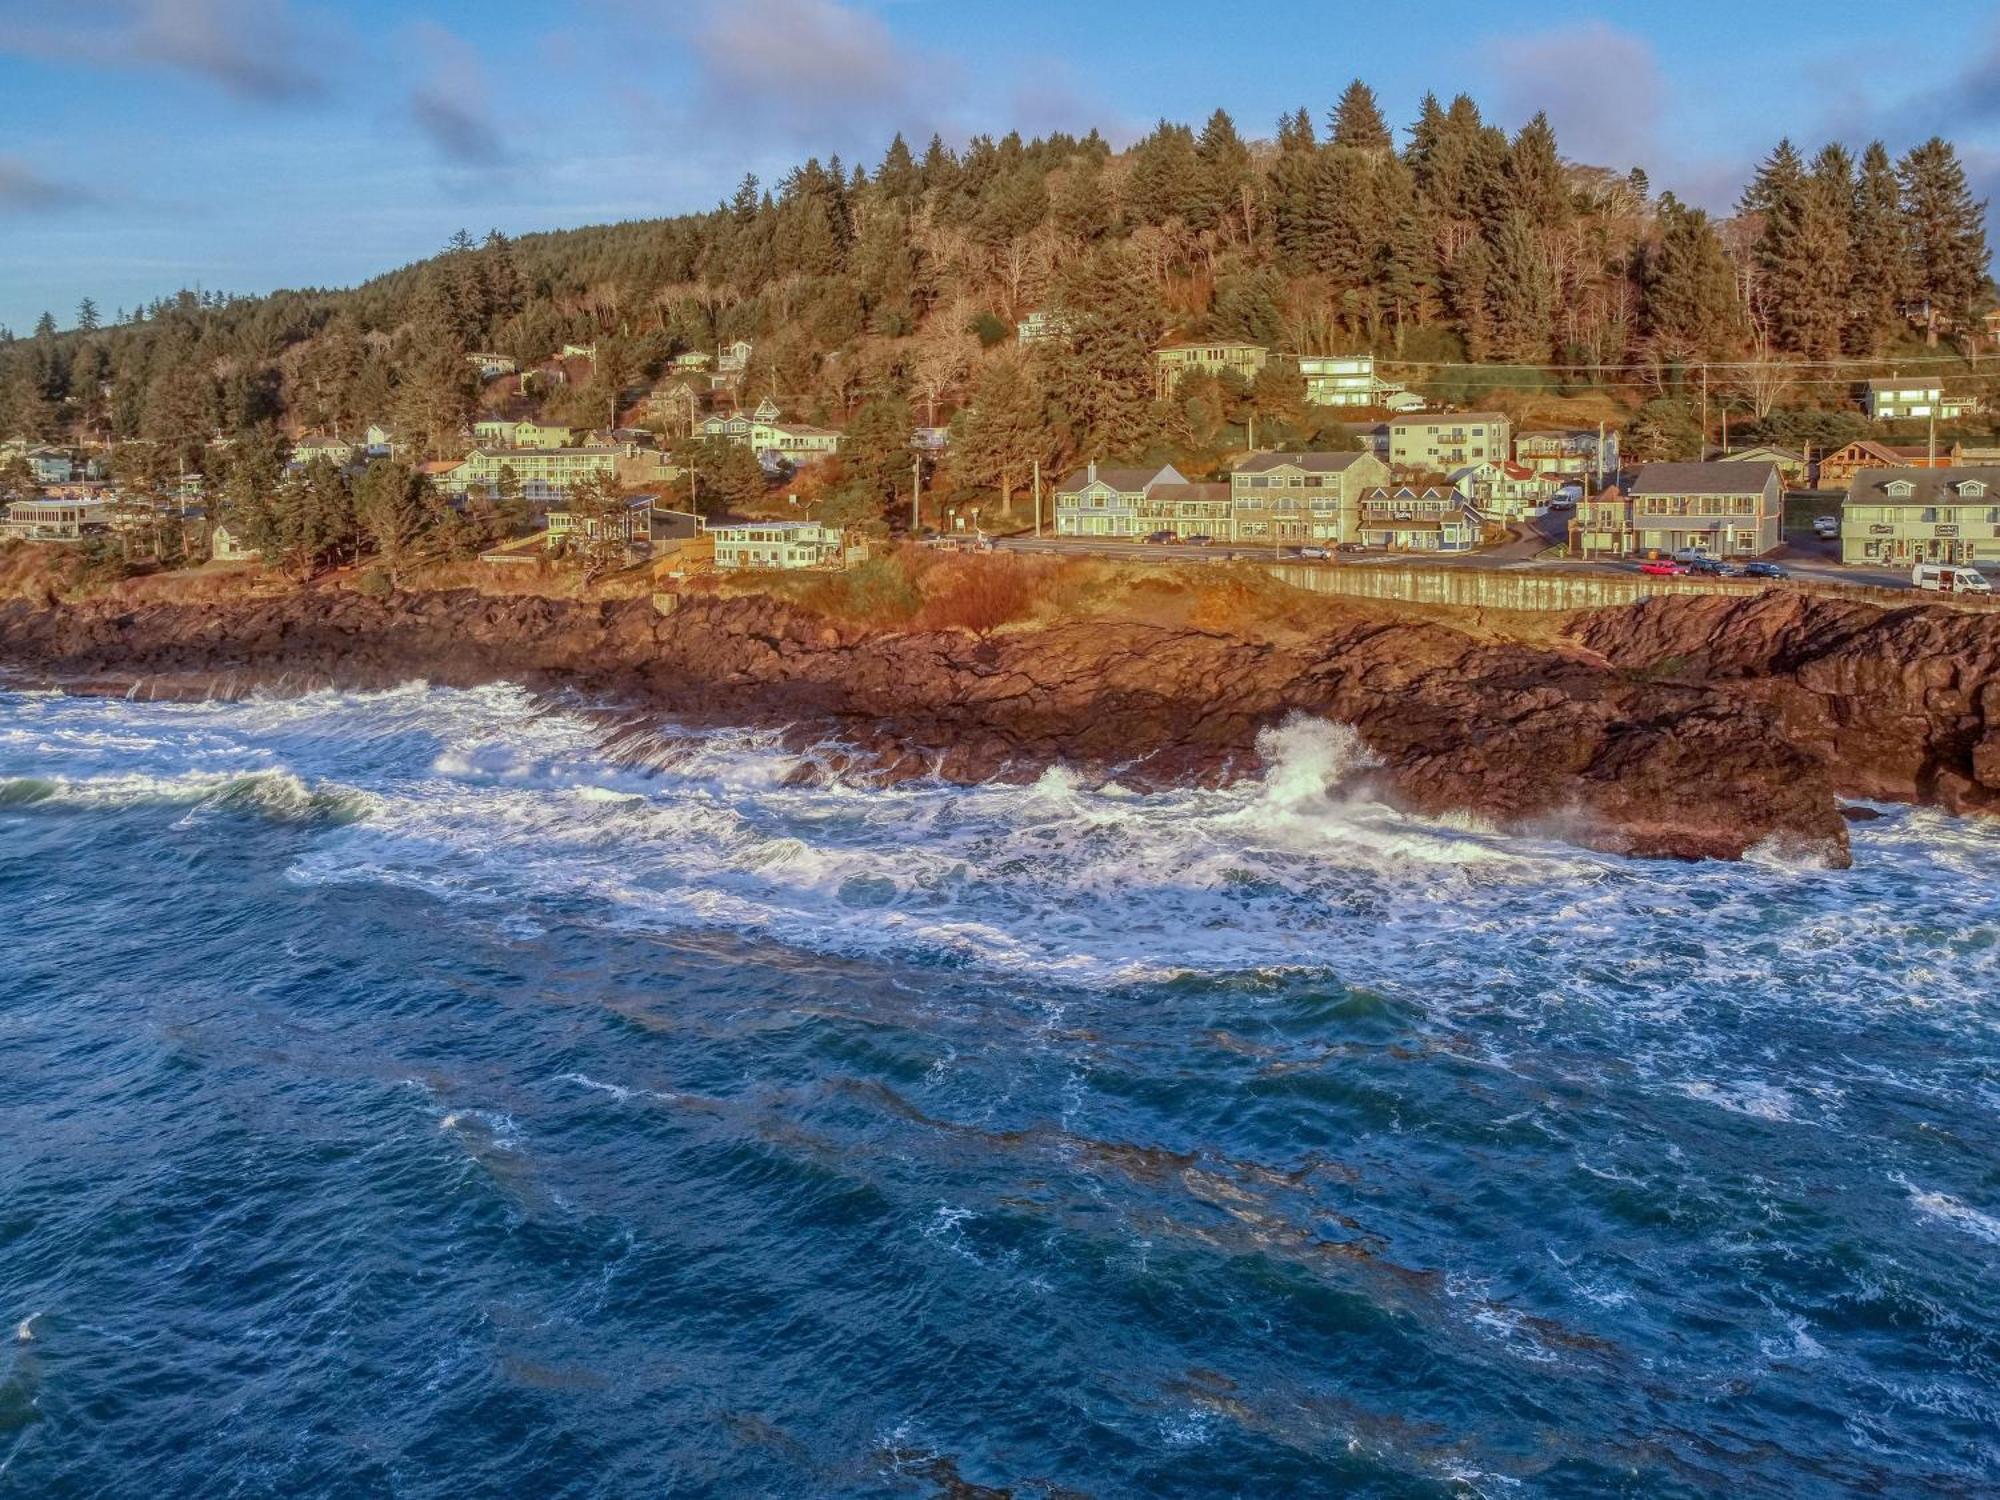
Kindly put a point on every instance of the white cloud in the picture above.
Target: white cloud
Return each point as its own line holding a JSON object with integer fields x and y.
{"x": 1600, "y": 87}
{"x": 258, "y": 50}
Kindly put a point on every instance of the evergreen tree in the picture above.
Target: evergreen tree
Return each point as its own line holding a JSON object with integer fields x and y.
{"x": 1100, "y": 379}
{"x": 1467, "y": 285}
{"x": 1877, "y": 269}
{"x": 1534, "y": 172}
{"x": 1223, "y": 170}
{"x": 996, "y": 439}
{"x": 1520, "y": 293}
{"x": 1291, "y": 190}
{"x": 1944, "y": 236}
{"x": 1692, "y": 310}
{"x": 1165, "y": 174}
{"x": 1356, "y": 121}
{"x": 728, "y": 478}
{"x": 86, "y": 316}
{"x": 876, "y": 466}
{"x": 393, "y": 509}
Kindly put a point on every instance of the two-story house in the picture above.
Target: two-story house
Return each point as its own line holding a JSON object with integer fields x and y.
{"x": 336, "y": 451}
{"x": 1439, "y": 443}
{"x": 542, "y": 473}
{"x": 1102, "y": 500}
{"x": 1042, "y": 324}
{"x": 1901, "y": 517}
{"x": 492, "y": 366}
{"x": 1212, "y": 356}
{"x": 1899, "y": 399}
{"x": 1408, "y": 518}
{"x": 1724, "y": 509}
{"x": 1505, "y": 490}
{"x": 1300, "y": 497}
{"x": 777, "y": 544}
{"x": 1602, "y": 526}
{"x": 1350, "y": 380}
{"x": 1187, "y": 510}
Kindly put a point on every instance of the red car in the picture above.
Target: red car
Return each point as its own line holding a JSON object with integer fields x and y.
{"x": 1664, "y": 567}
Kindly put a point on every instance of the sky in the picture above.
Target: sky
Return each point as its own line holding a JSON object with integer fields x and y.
{"x": 246, "y": 145}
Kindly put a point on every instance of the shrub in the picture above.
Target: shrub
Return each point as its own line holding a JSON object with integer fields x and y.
{"x": 979, "y": 594}
{"x": 374, "y": 583}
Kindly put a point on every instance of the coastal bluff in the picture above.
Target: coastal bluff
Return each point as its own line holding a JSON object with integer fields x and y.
{"x": 1679, "y": 727}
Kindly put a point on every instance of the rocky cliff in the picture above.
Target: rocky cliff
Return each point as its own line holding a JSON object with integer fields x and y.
{"x": 1688, "y": 727}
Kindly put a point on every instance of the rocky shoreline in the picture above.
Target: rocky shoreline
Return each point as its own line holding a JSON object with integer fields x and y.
{"x": 1685, "y": 727}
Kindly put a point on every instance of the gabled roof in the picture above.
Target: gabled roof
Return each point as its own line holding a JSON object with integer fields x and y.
{"x": 1210, "y": 344}
{"x": 1904, "y": 383}
{"x": 1126, "y": 481}
{"x": 1444, "y": 418}
{"x": 1722, "y": 477}
{"x": 1928, "y": 486}
{"x": 1311, "y": 463}
{"x": 1198, "y": 490}
{"x": 1887, "y": 457}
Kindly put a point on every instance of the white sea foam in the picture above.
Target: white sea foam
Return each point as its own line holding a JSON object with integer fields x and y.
{"x": 1942, "y": 1208}
{"x": 519, "y": 817}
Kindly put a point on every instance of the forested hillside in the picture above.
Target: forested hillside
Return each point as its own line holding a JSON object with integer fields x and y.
{"x": 878, "y": 296}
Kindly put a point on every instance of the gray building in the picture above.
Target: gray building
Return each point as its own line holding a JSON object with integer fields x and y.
{"x": 1726, "y": 509}
{"x": 1300, "y": 497}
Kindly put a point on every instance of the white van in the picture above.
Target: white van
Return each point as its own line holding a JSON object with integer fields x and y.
{"x": 1940, "y": 578}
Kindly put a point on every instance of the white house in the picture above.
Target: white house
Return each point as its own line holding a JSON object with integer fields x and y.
{"x": 777, "y": 544}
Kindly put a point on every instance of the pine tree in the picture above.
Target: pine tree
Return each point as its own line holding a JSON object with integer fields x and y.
{"x": 1291, "y": 190}
{"x": 1520, "y": 292}
{"x": 997, "y": 437}
{"x": 1356, "y": 121}
{"x": 1692, "y": 310}
{"x": 1535, "y": 175}
{"x": 1100, "y": 379}
{"x": 1944, "y": 236}
{"x": 86, "y": 316}
{"x": 897, "y": 180}
{"x": 1466, "y": 288}
{"x": 1877, "y": 268}
{"x": 392, "y": 507}
{"x": 1165, "y": 175}
{"x": 1223, "y": 168}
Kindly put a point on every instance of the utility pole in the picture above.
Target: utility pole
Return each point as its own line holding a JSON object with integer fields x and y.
{"x": 916, "y": 494}
{"x": 1704, "y": 409}
{"x": 1038, "y": 498}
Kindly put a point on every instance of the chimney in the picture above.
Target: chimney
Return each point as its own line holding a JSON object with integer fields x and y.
{"x": 1093, "y": 472}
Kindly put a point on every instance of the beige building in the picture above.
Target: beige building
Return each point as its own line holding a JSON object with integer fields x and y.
{"x": 1602, "y": 526}
{"x": 1437, "y": 442}
{"x": 1109, "y": 501}
{"x": 543, "y": 473}
{"x": 1300, "y": 497}
{"x": 1434, "y": 518}
{"x": 1901, "y": 517}
{"x": 522, "y": 434}
{"x": 1724, "y": 509}
{"x": 1197, "y": 509}
{"x": 777, "y": 544}
{"x": 1213, "y": 356}
{"x": 56, "y": 520}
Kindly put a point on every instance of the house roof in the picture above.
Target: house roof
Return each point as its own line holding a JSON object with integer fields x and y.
{"x": 1124, "y": 481}
{"x": 1722, "y": 477}
{"x": 1200, "y": 490}
{"x": 1904, "y": 383}
{"x": 1766, "y": 451}
{"x": 1931, "y": 486}
{"x": 1445, "y": 418}
{"x": 1210, "y": 344}
{"x": 1862, "y": 447}
{"x": 1312, "y": 463}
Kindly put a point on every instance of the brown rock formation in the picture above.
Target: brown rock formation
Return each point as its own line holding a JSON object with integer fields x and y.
{"x": 1690, "y": 727}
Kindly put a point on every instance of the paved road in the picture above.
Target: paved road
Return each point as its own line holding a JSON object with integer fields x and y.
{"x": 1804, "y": 556}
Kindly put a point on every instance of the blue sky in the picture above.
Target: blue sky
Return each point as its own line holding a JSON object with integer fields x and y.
{"x": 243, "y": 145}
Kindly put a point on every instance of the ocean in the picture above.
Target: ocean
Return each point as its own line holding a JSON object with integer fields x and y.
{"x": 404, "y": 1095}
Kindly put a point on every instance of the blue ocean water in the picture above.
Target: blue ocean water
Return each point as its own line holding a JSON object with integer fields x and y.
{"x": 404, "y": 1097}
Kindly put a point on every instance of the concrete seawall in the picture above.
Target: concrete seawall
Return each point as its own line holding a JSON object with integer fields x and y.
{"x": 1549, "y": 590}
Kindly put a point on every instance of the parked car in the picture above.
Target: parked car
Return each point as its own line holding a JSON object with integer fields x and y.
{"x": 1315, "y": 554}
{"x": 1764, "y": 570}
{"x": 1711, "y": 567}
{"x": 1937, "y": 578}
{"x": 1826, "y": 527}
{"x": 1692, "y": 555}
{"x": 1163, "y": 536}
{"x": 1352, "y": 547}
{"x": 1199, "y": 540}
{"x": 1663, "y": 567}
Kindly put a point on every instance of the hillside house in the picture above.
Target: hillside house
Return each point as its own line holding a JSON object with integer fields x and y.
{"x": 1300, "y": 497}
{"x": 1901, "y": 517}
{"x": 1900, "y": 399}
{"x": 544, "y": 474}
{"x": 1438, "y": 443}
{"x": 1042, "y": 324}
{"x": 47, "y": 520}
{"x": 492, "y": 366}
{"x": 1406, "y": 518}
{"x": 378, "y": 441}
{"x": 1724, "y": 509}
{"x": 1109, "y": 501}
{"x": 336, "y": 451}
{"x": 1211, "y": 356}
{"x": 777, "y": 544}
